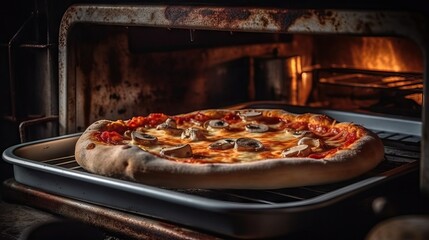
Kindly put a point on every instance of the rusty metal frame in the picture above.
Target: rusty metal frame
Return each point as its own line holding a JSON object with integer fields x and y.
{"x": 277, "y": 20}
{"x": 121, "y": 223}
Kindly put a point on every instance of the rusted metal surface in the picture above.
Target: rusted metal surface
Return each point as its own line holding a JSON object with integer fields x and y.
{"x": 124, "y": 224}
{"x": 216, "y": 18}
{"x": 246, "y": 19}
{"x": 308, "y": 21}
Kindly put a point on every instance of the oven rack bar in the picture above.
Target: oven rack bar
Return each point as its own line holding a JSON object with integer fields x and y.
{"x": 388, "y": 83}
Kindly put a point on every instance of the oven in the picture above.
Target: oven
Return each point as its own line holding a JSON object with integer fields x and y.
{"x": 70, "y": 64}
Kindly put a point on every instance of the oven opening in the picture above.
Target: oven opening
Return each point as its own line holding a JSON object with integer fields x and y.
{"x": 126, "y": 71}
{"x": 116, "y": 62}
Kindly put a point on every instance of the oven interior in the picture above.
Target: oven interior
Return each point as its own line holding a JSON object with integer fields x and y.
{"x": 111, "y": 69}
{"x": 123, "y": 71}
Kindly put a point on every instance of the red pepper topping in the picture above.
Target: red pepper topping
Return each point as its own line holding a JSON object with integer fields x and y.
{"x": 198, "y": 117}
{"x": 298, "y": 125}
{"x": 111, "y": 137}
{"x": 152, "y": 120}
{"x": 350, "y": 138}
{"x": 231, "y": 116}
{"x": 319, "y": 129}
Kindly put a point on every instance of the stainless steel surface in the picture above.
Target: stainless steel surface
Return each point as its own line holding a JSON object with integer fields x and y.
{"x": 50, "y": 166}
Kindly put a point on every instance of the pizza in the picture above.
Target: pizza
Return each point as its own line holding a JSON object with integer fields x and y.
{"x": 229, "y": 149}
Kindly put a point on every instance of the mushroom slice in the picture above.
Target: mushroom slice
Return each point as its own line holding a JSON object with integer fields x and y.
{"x": 248, "y": 144}
{"x": 217, "y": 124}
{"x": 140, "y": 138}
{"x": 180, "y": 151}
{"x": 127, "y": 134}
{"x": 193, "y": 134}
{"x": 297, "y": 151}
{"x": 170, "y": 126}
{"x": 313, "y": 142}
{"x": 169, "y": 123}
{"x": 222, "y": 144}
{"x": 250, "y": 115}
{"x": 297, "y": 133}
{"x": 256, "y": 128}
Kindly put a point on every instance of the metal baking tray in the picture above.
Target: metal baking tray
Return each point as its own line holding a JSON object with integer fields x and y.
{"x": 49, "y": 165}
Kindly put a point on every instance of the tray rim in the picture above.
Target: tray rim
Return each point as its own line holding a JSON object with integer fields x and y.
{"x": 182, "y": 197}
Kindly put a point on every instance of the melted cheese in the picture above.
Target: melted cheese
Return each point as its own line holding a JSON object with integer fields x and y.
{"x": 277, "y": 139}
{"x": 274, "y": 142}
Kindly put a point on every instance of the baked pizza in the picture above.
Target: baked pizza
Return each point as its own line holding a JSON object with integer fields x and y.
{"x": 223, "y": 148}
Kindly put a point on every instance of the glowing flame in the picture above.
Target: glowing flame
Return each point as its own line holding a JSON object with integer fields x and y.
{"x": 383, "y": 54}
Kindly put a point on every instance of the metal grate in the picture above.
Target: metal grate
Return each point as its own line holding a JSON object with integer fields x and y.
{"x": 400, "y": 150}
{"x": 408, "y": 83}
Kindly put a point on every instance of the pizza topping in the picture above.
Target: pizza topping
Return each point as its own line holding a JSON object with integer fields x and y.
{"x": 288, "y": 136}
{"x": 139, "y": 138}
{"x": 222, "y": 144}
{"x": 117, "y": 126}
{"x": 111, "y": 137}
{"x": 297, "y": 151}
{"x": 127, "y": 134}
{"x": 248, "y": 144}
{"x": 231, "y": 117}
{"x": 250, "y": 115}
{"x": 180, "y": 151}
{"x": 151, "y": 120}
{"x": 170, "y": 126}
{"x": 169, "y": 123}
{"x": 196, "y": 118}
{"x": 313, "y": 142}
{"x": 217, "y": 124}
{"x": 337, "y": 139}
{"x": 256, "y": 128}
{"x": 298, "y": 134}
{"x": 193, "y": 134}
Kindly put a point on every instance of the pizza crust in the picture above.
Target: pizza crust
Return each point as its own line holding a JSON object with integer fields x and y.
{"x": 132, "y": 163}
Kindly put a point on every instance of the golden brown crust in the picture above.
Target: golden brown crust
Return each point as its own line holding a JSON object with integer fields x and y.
{"x": 132, "y": 163}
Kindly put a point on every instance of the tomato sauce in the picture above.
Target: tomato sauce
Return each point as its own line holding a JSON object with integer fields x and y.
{"x": 152, "y": 120}
{"x": 323, "y": 154}
{"x": 231, "y": 117}
{"x": 198, "y": 117}
{"x": 111, "y": 137}
{"x": 270, "y": 120}
{"x": 350, "y": 138}
{"x": 298, "y": 125}
{"x": 317, "y": 128}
